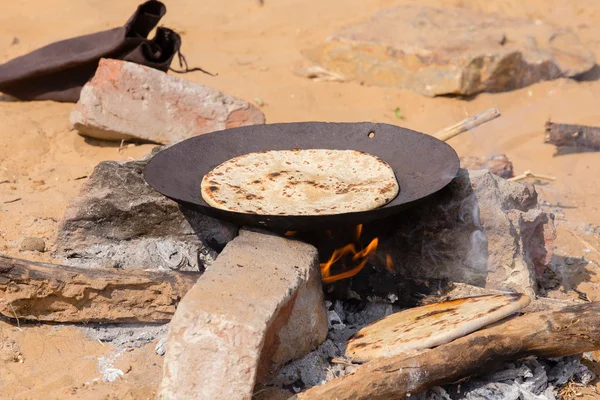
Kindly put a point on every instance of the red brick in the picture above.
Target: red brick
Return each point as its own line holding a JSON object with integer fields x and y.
{"x": 126, "y": 100}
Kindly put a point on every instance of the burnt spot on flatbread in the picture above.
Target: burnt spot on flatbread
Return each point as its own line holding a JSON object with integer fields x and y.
{"x": 252, "y": 196}
{"x": 491, "y": 310}
{"x": 451, "y": 311}
{"x": 213, "y": 188}
{"x": 274, "y": 174}
{"x": 257, "y": 181}
{"x": 358, "y": 336}
{"x": 387, "y": 188}
{"x": 515, "y": 297}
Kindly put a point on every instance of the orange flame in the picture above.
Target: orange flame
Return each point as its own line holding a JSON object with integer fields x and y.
{"x": 290, "y": 233}
{"x": 357, "y": 256}
{"x": 389, "y": 264}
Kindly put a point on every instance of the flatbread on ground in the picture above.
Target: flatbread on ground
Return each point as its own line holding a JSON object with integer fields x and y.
{"x": 431, "y": 325}
{"x": 300, "y": 182}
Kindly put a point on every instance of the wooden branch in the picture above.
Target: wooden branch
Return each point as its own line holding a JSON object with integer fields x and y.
{"x": 529, "y": 174}
{"x": 573, "y": 135}
{"x": 56, "y": 293}
{"x": 467, "y": 124}
{"x": 571, "y": 330}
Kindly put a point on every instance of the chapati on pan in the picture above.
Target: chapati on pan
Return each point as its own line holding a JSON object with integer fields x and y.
{"x": 300, "y": 182}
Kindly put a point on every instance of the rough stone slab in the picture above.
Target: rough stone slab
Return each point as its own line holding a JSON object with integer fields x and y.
{"x": 117, "y": 220}
{"x": 480, "y": 229}
{"x": 458, "y": 51}
{"x": 258, "y": 306}
{"x": 129, "y": 101}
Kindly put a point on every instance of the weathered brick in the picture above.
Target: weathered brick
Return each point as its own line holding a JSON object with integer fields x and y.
{"x": 129, "y": 101}
{"x": 258, "y": 306}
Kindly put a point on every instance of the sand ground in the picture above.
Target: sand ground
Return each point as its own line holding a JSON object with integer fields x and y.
{"x": 254, "y": 50}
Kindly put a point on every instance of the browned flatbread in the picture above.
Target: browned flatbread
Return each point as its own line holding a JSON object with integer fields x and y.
{"x": 431, "y": 325}
{"x": 300, "y": 182}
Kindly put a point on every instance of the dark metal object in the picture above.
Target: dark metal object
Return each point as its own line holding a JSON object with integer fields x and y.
{"x": 422, "y": 164}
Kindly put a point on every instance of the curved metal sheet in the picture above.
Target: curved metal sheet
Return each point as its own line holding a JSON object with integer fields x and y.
{"x": 422, "y": 164}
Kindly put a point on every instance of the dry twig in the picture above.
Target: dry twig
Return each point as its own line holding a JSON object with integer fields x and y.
{"x": 467, "y": 124}
{"x": 529, "y": 174}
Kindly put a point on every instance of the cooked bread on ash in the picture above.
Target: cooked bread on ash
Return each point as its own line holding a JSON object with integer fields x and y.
{"x": 431, "y": 325}
{"x": 300, "y": 182}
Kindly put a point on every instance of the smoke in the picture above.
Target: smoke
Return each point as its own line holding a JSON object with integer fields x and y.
{"x": 477, "y": 255}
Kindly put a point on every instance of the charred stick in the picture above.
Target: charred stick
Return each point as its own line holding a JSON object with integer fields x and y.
{"x": 467, "y": 124}
{"x": 57, "y": 293}
{"x": 568, "y": 331}
{"x": 573, "y": 135}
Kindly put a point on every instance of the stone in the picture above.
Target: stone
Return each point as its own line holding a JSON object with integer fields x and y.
{"x": 259, "y": 306}
{"x": 497, "y": 164}
{"x": 480, "y": 229}
{"x": 117, "y": 220}
{"x": 33, "y": 244}
{"x": 451, "y": 51}
{"x": 126, "y": 101}
{"x": 160, "y": 347}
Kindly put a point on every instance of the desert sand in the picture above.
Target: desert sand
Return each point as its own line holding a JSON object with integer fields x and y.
{"x": 254, "y": 50}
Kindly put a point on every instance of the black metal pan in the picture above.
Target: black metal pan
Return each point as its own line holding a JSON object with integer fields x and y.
{"x": 422, "y": 164}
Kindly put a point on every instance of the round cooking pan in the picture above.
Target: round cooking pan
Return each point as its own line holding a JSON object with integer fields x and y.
{"x": 422, "y": 164}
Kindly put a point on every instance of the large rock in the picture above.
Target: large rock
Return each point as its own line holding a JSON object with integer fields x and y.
{"x": 451, "y": 51}
{"x": 259, "y": 306}
{"x": 118, "y": 220}
{"x": 480, "y": 229}
{"x": 130, "y": 101}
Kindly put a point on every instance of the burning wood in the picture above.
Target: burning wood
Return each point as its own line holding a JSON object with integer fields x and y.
{"x": 56, "y": 293}
{"x": 568, "y": 331}
{"x": 573, "y": 135}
